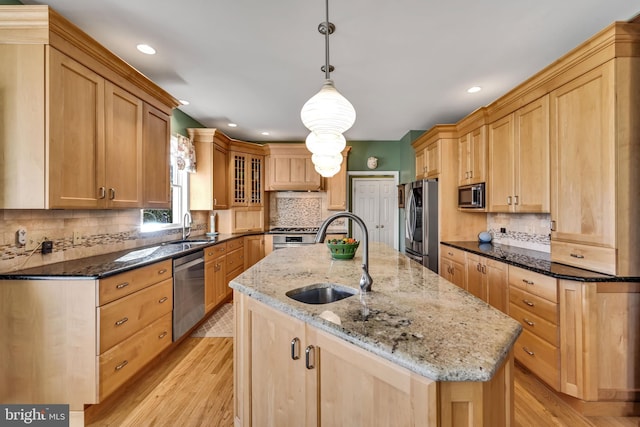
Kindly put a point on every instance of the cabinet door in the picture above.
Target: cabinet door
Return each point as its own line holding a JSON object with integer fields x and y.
{"x": 275, "y": 379}
{"x": 356, "y": 388}
{"x": 253, "y": 250}
{"x": 583, "y": 180}
{"x": 453, "y": 272}
{"x": 432, "y": 164}
{"x": 156, "y": 179}
{"x": 123, "y": 148}
{"x": 497, "y": 284}
{"x": 476, "y": 282}
{"x": 531, "y": 156}
{"x": 500, "y": 193}
{"x": 421, "y": 164}
{"x": 255, "y": 175}
{"x": 336, "y": 187}
{"x": 464, "y": 159}
{"x": 215, "y": 283}
{"x": 76, "y": 135}
{"x": 478, "y": 155}
{"x": 220, "y": 177}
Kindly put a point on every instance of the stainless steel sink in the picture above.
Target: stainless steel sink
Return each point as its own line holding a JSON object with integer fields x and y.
{"x": 321, "y": 293}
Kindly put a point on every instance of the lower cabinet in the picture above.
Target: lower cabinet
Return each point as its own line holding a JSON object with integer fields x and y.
{"x": 254, "y": 249}
{"x": 452, "y": 265}
{"x": 287, "y": 373}
{"x": 215, "y": 276}
{"x": 487, "y": 279}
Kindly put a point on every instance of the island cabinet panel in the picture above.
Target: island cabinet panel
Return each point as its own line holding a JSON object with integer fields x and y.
{"x": 355, "y": 388}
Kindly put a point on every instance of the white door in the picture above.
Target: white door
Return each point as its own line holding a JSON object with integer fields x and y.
{"x": 374, "y": 200}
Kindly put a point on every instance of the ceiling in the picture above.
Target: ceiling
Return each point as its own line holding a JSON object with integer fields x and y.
{"x": 403, "y": 64}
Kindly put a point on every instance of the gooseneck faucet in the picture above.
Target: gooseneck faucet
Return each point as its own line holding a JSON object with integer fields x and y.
{"x": 185, "y": 233}
{"x": 365, "y": 281}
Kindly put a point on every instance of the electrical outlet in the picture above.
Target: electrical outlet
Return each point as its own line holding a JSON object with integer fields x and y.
{"x": 77, "y": 238}
{"x": 21, "y": 236}
{"x": 34, "y": 240}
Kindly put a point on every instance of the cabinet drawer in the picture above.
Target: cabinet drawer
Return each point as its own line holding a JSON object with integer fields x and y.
{"x": 122, "y": 361}
{"x": 234, "y": 244}
{"x": 114, "y": 287}
{"x": 216, "y": 251}
{"x": 120, "y": 319}
{"x": 534, "y": 283}
{"x": 535, "y": 324}
{"x": 453, "y": 254}
{"x": 592, "y": 258}
{"x": 534, "y": 304}
{"x": 235, "y": 259}
{"x": 539, "y": 357}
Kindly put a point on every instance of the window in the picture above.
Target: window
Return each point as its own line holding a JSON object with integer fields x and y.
{"x": 157, "y": 219}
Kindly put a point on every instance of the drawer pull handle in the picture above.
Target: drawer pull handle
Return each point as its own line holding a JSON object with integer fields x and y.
{"x": 577, "y": 256}
{"x": 529, "y": 352}
{"x": 121, "y": 321}
{"x": 122, "y": 365}
{"x": 102, "y": 192}
{"x": 528, "y": 322}
{"x": 163, "y": 299}
{"x": 478, "y": 267}
{"x": 450, "y": 253}
{"x": 162, "y": 335}
{"x": 164, "y": 270}
{"x": 310, "y": 359}
{"x": 122, "y": 285}
{"x": 529, "y": 303}
{"x": 112, "y": 194}
{"x": 528, "y": 282}
{"x": 295, "y": 348}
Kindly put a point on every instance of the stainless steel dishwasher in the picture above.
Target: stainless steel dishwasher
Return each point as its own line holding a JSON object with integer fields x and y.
{"x": 188, "y": 292}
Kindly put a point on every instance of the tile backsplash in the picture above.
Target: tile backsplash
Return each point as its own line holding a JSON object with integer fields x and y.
{"x": 300, "y": 209}
{"x": 101, "y": 231}
{"x": 529, "y": 231}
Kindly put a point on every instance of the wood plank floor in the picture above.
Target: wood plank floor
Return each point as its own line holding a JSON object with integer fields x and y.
{"x": 193, "y": 387}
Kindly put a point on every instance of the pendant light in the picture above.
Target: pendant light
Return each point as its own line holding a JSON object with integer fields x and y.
{"x": 327, "y": 115}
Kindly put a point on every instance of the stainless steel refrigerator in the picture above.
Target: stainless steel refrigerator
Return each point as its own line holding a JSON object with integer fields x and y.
{"x": 421, "y": 222}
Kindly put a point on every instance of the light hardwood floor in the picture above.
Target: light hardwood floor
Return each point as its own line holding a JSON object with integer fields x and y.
{"x": 193, "y": 387}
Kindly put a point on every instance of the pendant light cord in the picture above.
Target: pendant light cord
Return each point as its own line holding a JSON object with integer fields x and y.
{"x": 326, "y": 43}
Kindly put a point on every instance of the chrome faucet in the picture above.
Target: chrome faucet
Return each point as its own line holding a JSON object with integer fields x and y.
{"x": 365, "y": 281}
{"x": 186, "y": 233}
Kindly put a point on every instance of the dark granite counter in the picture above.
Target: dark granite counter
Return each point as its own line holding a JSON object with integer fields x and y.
{"x": 100, "y": 266}
{"x": 537, "y": 261}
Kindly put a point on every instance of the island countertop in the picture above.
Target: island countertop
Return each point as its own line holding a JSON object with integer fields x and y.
{"x": 412, "y": 317}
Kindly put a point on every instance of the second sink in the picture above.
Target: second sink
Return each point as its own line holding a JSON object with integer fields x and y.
{"x": 321, "y": 293}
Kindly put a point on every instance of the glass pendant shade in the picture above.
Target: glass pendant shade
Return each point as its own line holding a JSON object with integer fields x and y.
{"x": 325, "y": 143}
{"x": 327, "y": 165}
{"x": 328, "y": 112}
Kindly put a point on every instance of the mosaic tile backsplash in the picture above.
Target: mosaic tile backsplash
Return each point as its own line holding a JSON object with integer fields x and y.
{"x": 101, "y": 231}
{"x": 529, "y": 231}
{"x": 300, "y": 209}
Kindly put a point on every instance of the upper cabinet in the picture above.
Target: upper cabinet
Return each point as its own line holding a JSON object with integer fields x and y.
{"x": 78, "y": 120}
{"x": 336, "y": 186}
{"x": 472, "y": 148}
{"x": 518, "y": 173}
{"x": 209, "y": 186}
{"x": 247, "y": 178}
{"x": 289, "y": 167}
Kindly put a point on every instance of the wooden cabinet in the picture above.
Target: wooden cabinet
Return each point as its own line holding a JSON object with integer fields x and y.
{"x": 289, "y": 167}
{"x": 583, "y": 181}
{"x": 215, "y": 276}
{"x": 533, "y": 301}
{"x": 336, "y": 186}
{"x": 247, "y": 177}
{"x": 452, "y": 265}
{"x": 80, "y": 126}
{"x": 487, "y": 280}
{"x": 428, "y": 161}
{"x": 156, "y": 154}
{"x": 209, "y": 186}
{"x": 472, "y": 157}
{"x": 288, "y": 373}
{"x": 518, "y": 174}
{"x": 254, "y": 249}
{"x": 234, "y": 262}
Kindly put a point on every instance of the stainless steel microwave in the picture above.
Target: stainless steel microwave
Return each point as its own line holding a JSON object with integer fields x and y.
{"x": 471, "y": 196}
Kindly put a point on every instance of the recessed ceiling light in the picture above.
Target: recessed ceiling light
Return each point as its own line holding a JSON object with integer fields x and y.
{"x": 265, "y": 133}
{"x": 145, "y": 48}
{"x": 232, "y": 125}
{"x": 184, "y": 102}
{"x": 474, "y": 89}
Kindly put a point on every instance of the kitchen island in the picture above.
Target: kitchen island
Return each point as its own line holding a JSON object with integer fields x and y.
{"x": 417, "y": 350}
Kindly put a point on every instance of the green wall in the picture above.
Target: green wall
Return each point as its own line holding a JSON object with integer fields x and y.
{"x": 7, "y": 2}
{"x": 181, "y": 121}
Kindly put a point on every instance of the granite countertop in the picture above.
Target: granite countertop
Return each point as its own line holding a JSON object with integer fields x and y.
{"x": 100, "y": 266}
{"x": 537, "y": 261}
{"x": 412, "y": 317}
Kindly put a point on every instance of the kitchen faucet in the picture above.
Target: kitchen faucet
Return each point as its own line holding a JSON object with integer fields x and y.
{"x": 365, "y": 281}
{"x": 186, "y": 233}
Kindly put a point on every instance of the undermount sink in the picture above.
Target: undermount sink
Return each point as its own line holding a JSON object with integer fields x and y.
{"x": 321, "y": 293}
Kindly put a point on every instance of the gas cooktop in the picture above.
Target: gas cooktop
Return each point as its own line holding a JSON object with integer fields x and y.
{"x": 298, "y": 230}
